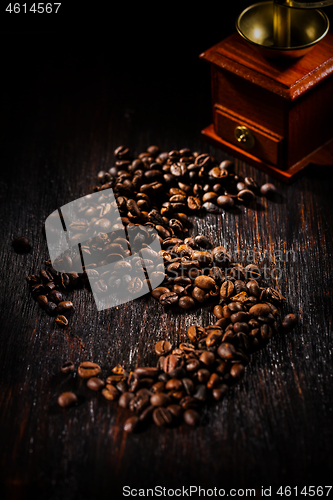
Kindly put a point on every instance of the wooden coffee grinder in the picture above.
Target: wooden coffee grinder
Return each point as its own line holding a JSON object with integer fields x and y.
{"x": 272, "y": 87}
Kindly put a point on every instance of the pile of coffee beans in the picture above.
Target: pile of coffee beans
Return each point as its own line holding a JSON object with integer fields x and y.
{"x": 196, "y": 372}
{"x": 156, "y": 195}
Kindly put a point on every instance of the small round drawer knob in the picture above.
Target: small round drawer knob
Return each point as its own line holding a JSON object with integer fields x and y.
{"x": 244, "y": 136}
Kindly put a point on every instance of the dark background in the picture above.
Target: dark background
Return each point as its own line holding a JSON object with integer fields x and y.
{"x": 74, "y": 87}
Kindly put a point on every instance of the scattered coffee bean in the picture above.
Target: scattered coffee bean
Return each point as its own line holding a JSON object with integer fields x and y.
{"x": 289, "y": 321}
{"x": 268, "y": 189}
{"x": 191, "y": 417}
{"x": 131, "y": 424}
{"x": 88, "y": 369}
{"x": 163, "y": 347}
{"x": 95, "y": 383}
{"x": 67, "y": 367}
{"x": 21, "y": 244}
{"x": 67, "y": 399}
{"x": 61, "y": 320}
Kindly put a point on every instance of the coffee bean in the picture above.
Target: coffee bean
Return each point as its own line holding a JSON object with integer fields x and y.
{"x": 175, "y": 410}
{"x": 95, "y": 383}
{"x": 219, "y": 392}
{"x": 162, "y": 416}
{"x": 55, "y": 296}
{"x": 205, "y": 282}
{"x": 125, "y": 399}
{"x": 110, "y": 392}
{"x": 245, "y": 196}
{"x": 147, "y": 371}
{"x": 160, "y": 399}
{"x": 61, "y": 320}
{"x": 21, "y": 244}
{"x": 131, "y": 424}
{"x": 157, "y": 292}
{"x": 289, "y": 321}
{"x": 67, "y": 367}
{"x": 207, "y": 358}
{"x": 237, "y": 371}
{"x": 169, "y": 299}
{"x": 268, "y": 190}
{"x": 163, "y": 347}
{"x": 88, "y": 369}
{"x": 191, "y": 417}
{"x": 260, "y": 309}
{"x": 196, "y": 333}
{"x": 65, "y": 307}
{"x": 226, "y": 351}
{"x": 67, "y": 399}
{"x": 186, "y": 302}
{"x": 170, "y": 363}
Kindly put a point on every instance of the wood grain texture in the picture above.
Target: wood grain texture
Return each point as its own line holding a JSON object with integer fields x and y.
{"x": 61, "y": 122}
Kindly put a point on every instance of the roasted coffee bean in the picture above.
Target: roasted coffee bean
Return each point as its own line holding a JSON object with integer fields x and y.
{"x": 61, "y": 320}
{"x": 131, "y": 424}
{"x": 219, "y": 392}
{"x": 160, "y": 399}
{"x": 237, "y": 371}
{"x": 158, "y": 386}
{"x": 205, "y": 282}
{"x": 174, "y": 384}
{"x": 225, "y": 201}
{"x": 191, "y": 417}
{"x": 88, "y": 369}
{"x": 192, "y": 365}
{"x": 67, "y": 399}
{"x": 201, "y": 393}
{"x": 289, "y": 321}
{"x": 251, "y": 184}
{"x": 214, "y": 381}
{"x": 199, "y": 294}
{"x": 175, "y": 410}
{"x": 147, "y": 413}
{"x": 157, "y": 292}
{"x": 67, "y": 367}
{"x": 162, "y": 416}
{"x": 196, "y": 333}
{"x": 268, "y": 189}
{"x": 42, "y": 300}
{"x": 260, "y": 309}
{"x": 115, "y": 378}
{"x": 227, "y": 289}
{"x": 65, "y": 307}
{"x": 125, "y": 399}
{"x": 207, "y": 358}
{"x": 186, "y": 302}
{"x": 169, "y": 299}
{"x": 95, "y": 383}
{"x": 170, "y": 363}
{"x": 147, "y": 371}
{"x": 226, "y": 351}
{"x": 139, "y": 402}
{"x": 163, "y": 347}
{"x": 245, "y": 195}
{"x": 55, "y": 296}
{"x": 218, "y": 311}
{"x": 189, "y": 402}
{"x": 21, "y": 244}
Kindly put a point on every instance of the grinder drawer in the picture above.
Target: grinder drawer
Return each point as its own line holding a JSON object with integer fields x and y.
{"x": 253, "y": 140}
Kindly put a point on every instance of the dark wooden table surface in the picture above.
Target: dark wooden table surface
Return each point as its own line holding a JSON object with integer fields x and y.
{"x": 67, "y": 103}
